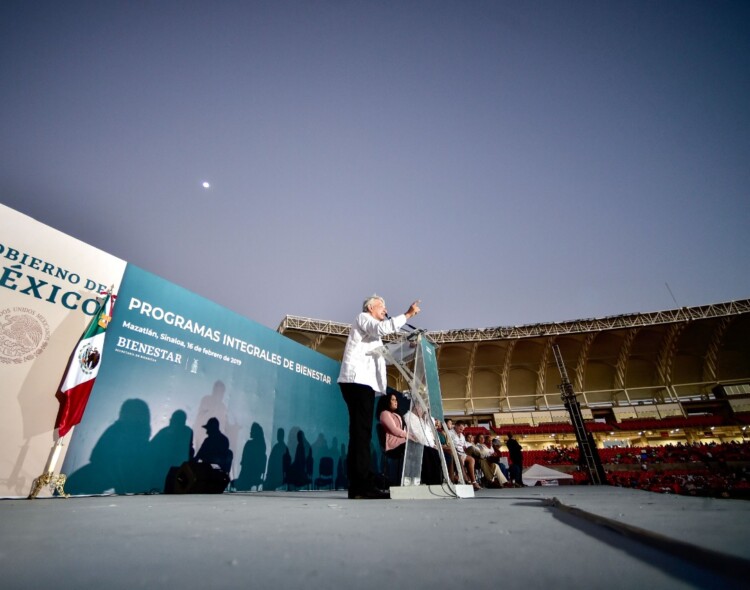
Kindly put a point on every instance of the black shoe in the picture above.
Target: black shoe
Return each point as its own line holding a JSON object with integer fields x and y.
{"x": 369, "y": 494}
{"x": 381, "y": 482}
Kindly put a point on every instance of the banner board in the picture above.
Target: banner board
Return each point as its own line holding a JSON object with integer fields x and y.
{"x": 176, "y": 363}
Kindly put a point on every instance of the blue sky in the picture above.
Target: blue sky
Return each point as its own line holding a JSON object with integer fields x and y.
{"x": 506, "y": 162}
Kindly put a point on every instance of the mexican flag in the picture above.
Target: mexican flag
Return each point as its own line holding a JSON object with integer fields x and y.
{"x": 82, "y": 369}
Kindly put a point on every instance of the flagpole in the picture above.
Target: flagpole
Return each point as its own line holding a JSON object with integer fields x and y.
{"x": 48, "y": 478}
{"x": 95, "y": 328}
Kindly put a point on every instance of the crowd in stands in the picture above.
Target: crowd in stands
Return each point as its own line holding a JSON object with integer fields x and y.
{"x": 715, "y": 469}
{"x": 691, "y": 482}
{"x": 625, "y": 425}
{"x": 679, "y": 453}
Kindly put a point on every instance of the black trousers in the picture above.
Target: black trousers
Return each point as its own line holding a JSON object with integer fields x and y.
{"x": 360, "y": 400}
{"x": 432, "y": 470}
{"x": 516, "y": 473}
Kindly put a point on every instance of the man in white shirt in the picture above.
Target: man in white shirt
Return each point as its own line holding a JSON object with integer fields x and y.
{"x": 362, "y": 377}
{"x": 459, "y": 440}
{"x": 419, "y": 428}
{"x": 492, "y": 473}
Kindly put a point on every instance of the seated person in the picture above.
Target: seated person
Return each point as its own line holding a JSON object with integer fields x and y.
{"x": 497, "y": 456}
{"x": 393, "y": 425}
{"x": 470, "y": 446}
{"x": 442, "y": 436}
{"x": 420, "y": 430}
{"x": 466, "y": 460}
{"x": 491, "y": 470}
{"x": 481, "y": 444}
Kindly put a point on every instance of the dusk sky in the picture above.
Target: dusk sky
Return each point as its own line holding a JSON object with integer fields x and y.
{"x": 505, "y": 162}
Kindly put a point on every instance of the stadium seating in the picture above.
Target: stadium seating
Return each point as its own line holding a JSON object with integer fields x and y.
{"x": 626, "y": 425}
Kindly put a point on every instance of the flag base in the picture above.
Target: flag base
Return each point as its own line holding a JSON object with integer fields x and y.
{"x": 56, "y": 482}
{"x": 48, "y": 478}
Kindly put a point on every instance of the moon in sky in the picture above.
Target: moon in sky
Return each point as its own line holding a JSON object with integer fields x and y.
{"x": 206, "y": 185}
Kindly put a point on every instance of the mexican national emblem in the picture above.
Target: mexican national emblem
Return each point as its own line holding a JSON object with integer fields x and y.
{"x": 24, "y": 334}
{"x": 104, "y": 320}
{"x": 89, "y": 358}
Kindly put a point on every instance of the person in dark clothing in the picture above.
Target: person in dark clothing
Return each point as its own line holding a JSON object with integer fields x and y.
{"x": 516, "y": 460}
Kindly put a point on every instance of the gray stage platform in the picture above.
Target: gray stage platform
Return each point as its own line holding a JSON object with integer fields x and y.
{"x": 561, "y": 537}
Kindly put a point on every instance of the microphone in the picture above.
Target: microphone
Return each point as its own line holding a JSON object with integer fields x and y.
{"x": 413, "y": 328}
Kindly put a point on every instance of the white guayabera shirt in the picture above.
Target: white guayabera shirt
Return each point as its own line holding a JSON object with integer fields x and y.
{"x": 359, "y": 365}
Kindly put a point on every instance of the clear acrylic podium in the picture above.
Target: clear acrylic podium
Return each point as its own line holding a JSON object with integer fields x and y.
{"x": 415, "y": 358}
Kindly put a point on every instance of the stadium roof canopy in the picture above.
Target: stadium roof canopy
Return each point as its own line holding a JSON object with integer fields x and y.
{"x": 635, "y": 364}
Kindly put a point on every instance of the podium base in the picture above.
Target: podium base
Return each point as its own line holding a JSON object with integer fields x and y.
{"x": 430, "y": 492}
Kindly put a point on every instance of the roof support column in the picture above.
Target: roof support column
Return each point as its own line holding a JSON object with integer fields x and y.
{"x": 666, "y": 357}
{"x": 622, "y": 364}
{"x": 583, "y": 357}
{"x": 469, "y": 402}
{"x": 541, "y": 376}
{"x": 710, "y": 363}
{"x": 504, "y": 375}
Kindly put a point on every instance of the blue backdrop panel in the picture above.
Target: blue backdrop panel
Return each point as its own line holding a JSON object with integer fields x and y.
{"x": 432, "y": 378}
{"x": 173, "y": 360}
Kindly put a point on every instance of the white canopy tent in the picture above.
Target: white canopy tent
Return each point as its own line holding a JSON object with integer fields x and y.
{"x": 540, "y": 473}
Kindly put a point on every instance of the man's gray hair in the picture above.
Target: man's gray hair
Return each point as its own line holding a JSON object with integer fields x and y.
{"x": 370, "y": 300}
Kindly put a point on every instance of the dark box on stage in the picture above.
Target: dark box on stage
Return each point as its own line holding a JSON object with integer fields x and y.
{"x": 195, "y": 478}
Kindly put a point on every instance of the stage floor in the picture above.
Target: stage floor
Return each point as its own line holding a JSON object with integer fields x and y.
{"x": 560, "y": 537}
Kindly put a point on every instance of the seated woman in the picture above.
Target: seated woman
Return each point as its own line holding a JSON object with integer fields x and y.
{"x": 396, "y": 434}
{"x": 392, "y": 437}
{"x": 393, "y": 425}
